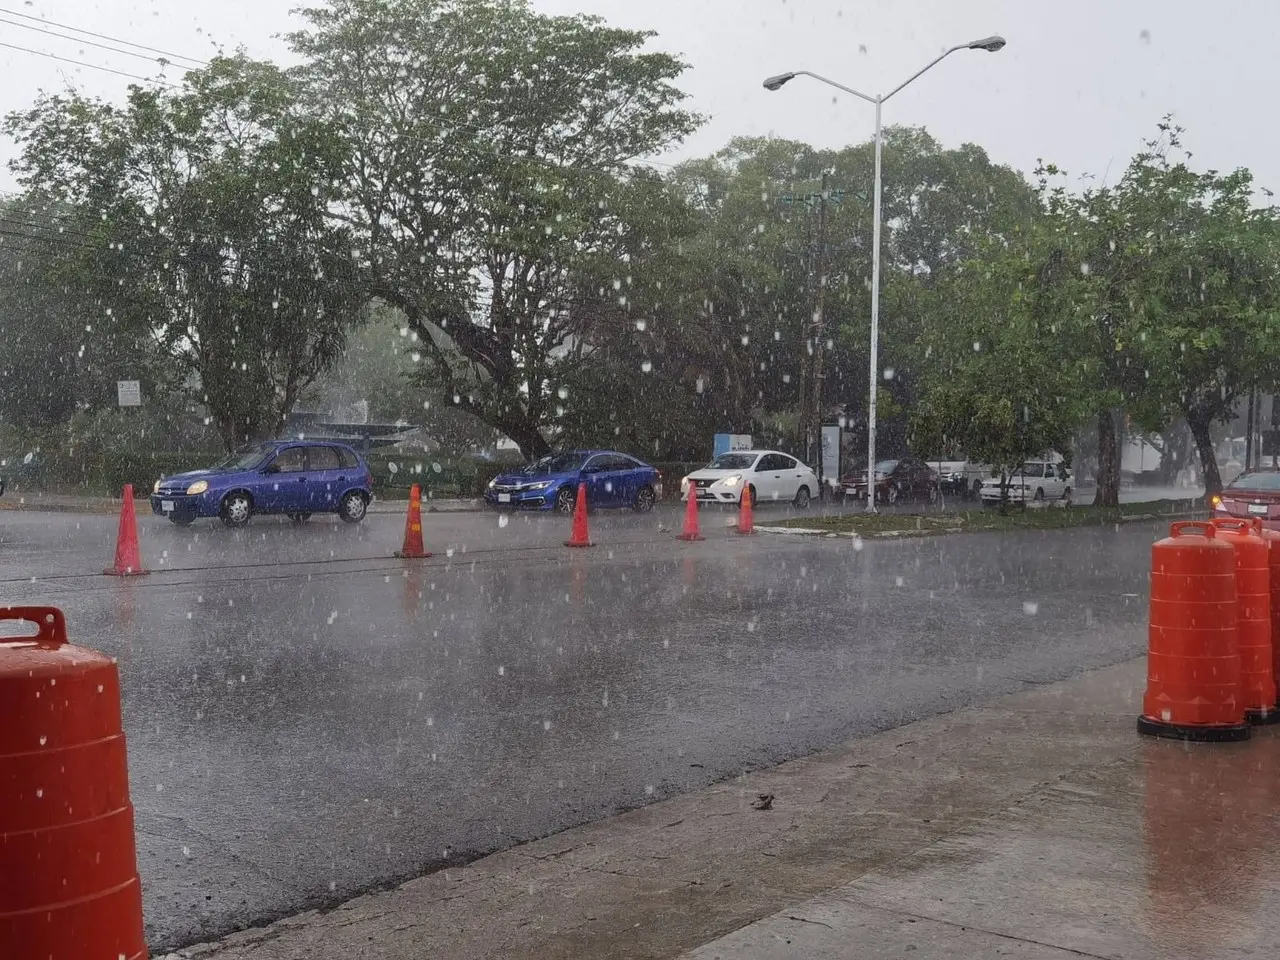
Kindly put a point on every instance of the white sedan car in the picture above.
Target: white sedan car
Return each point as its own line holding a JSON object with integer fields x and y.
{"x": 769, "y": 475}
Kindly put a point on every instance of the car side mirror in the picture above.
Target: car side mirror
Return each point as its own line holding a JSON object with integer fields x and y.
{"x": 271, "y": 468}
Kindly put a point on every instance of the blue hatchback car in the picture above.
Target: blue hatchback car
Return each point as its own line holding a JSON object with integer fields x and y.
{"x": 612, "y": 480}
{"x": 291, "y": 477}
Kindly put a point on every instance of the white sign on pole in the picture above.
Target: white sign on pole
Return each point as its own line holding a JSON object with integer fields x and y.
{"x": 129, "y": 393}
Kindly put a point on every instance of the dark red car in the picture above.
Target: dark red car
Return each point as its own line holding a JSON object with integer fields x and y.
{"x": 1252, "y": 494}
{"x": 896, "y": 480}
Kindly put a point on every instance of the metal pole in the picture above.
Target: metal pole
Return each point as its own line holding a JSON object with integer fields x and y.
{"x": 819, "y": 335}
{"x": 874, "y": 381}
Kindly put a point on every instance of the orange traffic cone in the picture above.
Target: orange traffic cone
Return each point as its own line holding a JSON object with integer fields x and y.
{"x": 128, "y": 555}
{"x": 746, "y": 524}
{"x": 691, "y": 531}
{"x": 580, "y": 537}
{"x": 413, "y": 548}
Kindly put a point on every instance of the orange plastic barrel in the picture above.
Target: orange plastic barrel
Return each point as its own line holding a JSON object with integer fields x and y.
{"x": 69, "y": 885}
{"x": 1273, "y": 541}
{"x": 1193, "y": 661}
{"x": 1253, "y": 593}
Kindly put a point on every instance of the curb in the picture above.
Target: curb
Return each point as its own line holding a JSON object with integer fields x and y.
{"x": 939, "y": 531}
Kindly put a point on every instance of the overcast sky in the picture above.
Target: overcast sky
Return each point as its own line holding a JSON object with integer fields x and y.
{"x": 1080, "y": 83}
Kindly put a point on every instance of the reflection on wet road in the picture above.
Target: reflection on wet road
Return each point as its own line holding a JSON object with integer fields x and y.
{"x": 309, "y": 717}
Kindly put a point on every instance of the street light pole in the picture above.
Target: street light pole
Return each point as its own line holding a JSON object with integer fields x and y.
{"x": 991, "y": 45}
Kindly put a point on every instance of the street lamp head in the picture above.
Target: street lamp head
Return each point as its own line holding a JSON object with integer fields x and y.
{"x": 989, "y": 44}
{"x": 775, "y": 83}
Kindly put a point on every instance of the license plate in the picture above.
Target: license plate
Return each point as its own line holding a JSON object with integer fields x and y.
{"x": 1258, "y": 508}
{"x": 166, "y": 506}
{"x": 504, "y": 498}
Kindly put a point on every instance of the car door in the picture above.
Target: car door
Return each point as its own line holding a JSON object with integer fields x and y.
{"x": 767, "y": 477}
{"x": 323, "y": 469}
{"x": 1054, "y": 485}
{"x": 596, "y": 475}
{"x": 789, "y": 478}
{"x": 631, "y": 476}
{"x": 283, "y": 487}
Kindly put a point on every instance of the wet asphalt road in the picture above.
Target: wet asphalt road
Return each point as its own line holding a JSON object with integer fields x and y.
{"x": 309, "y": 718}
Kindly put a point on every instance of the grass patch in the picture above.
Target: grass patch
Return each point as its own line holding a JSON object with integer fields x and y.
{"x": 980, "y": 520}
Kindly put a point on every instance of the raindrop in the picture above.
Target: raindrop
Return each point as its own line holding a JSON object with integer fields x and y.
{"x": 646, "y": 367}
{"x": 563, "y": 393}
{"x": 648, "y": 790}
{"x": 977, "y": 347}
{"x": 186, "y": 851}
{"x": 502, "y": 520}
{"x": 888, "y": 373}
{"x": 640, "y": 325}
{"x": 502, "y": 671}
{"x": 1084, "y": 269}
{"x": 1030, "y": 608}
{"x": 546, "y": 724}
{"x": 44, "y": 740}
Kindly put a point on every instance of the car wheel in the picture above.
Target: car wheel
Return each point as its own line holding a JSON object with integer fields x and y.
{"x": 802, "y": 498}
{"x": 185, "y": 520}
{"x": 755, "y": 501}
{"x": 1039, "y": 497}
{"x": 351, "y": 508}
{"x": 566, "y": 500}
{"x": 299, "y": 517}
{"x": 237, "y": 508}
{"x": 644, "y": 501}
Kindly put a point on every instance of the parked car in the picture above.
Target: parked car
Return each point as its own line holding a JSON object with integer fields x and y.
{"x": 291, "y": 477}
{"x": 907, "y": 478}
{"x": 769, "y": 475}
{"x": 1254, "y": 493}
{"x": 551, "y": 483}
{"x": 960, "y": 478}
{"x": 1034, "y": 480}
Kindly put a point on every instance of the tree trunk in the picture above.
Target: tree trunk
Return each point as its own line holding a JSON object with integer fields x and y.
{"x": 1204, "y": 446}
{"x": 528, "y": 438}
{"x": 1108, "y": 492}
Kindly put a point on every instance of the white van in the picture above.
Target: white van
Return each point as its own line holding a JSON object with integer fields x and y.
{"x": 1035, "y": 481}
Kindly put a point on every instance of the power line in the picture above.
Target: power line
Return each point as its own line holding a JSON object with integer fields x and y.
{"x": 88, "y": 43}
{"x": 101, "y": 36}
{"x": 92, "y": 66}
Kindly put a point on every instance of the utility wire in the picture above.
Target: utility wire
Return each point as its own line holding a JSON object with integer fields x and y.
{"x": 92, "y": 66}
{"x": 90, "y": 43}
{"x": 101, "y": 36}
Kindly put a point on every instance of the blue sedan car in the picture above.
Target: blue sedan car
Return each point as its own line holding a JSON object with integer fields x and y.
{"x": 291, "y": 477}
{"x": 612, "y": 480}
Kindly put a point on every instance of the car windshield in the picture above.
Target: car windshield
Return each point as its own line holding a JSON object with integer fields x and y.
{"x": 732, "y": 461}
{"x": 246, "y": 458}
{"x": 557, "y": 463}
{"x": 886, "y": 466}
{"x": 1268, "y": 481}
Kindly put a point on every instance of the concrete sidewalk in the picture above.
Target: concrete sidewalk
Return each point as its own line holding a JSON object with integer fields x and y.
{"x": 1039, "y": 825}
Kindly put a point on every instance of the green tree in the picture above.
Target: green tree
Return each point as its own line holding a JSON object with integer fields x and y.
{"x": 486, "y": 167}
{"x": 212, "y": 203}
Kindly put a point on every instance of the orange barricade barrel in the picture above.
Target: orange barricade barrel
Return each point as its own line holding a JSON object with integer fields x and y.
{"x": 1273, "y": 541}
{"x": 68, "y": 872}
{"x": 1253, "y": 594}
{"x": 1193, "y": 662}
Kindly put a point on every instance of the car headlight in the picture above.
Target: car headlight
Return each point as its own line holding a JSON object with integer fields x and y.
{"x": 732, "y": 481}
{"x": 156, "y": 488}
{"x": 200, "y": 486}
{"x": 539, "y": 486}
{"x": 493, "y": 483}
{"x": 684, "y": 484}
